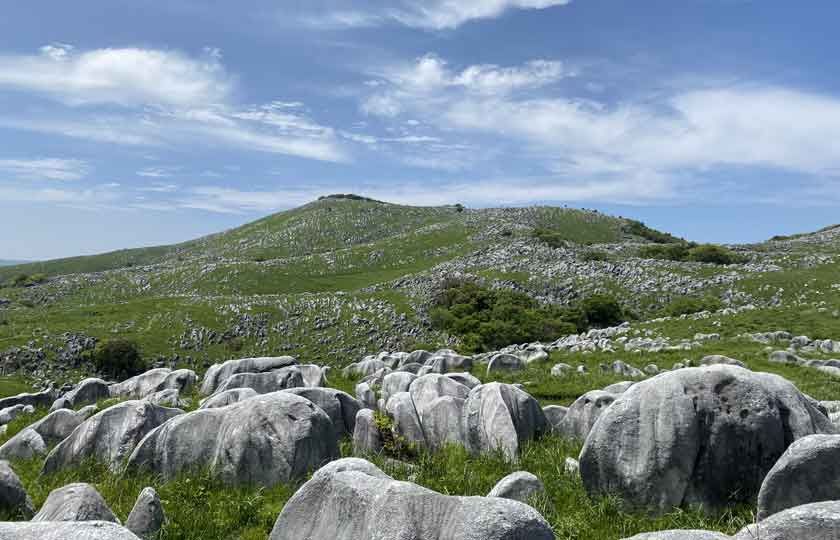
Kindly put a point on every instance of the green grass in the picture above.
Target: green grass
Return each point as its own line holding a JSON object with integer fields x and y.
{"x": 13, "y": 385}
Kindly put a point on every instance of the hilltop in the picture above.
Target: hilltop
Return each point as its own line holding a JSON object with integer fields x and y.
{"x": 345, "y": 276}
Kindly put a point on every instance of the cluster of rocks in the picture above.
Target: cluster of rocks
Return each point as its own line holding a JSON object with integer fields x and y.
{"x": 75, "y": 511}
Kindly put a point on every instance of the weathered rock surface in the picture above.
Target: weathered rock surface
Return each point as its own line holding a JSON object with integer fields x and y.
{"x": 14, "y": 501}
{"x": 554, "y": 415}
{"x": 146, "y": 517}
{"x": 52, "y": 429}
{"x": 152, "y": 381}
{"x": 505, "y": 362}
{"x": 500, "y": 416}
{"x": 38, "y": 399}
{"x": 816, "y": 521}
{"x": 808, "y": 472}
{"x": 340, "y": 406}
{"x": 109, "y": 436}
{"x": 265, "y": 440}
{"x": 696, "y": 437}
{"x": 366, "y": 436}
{"x": 406, "y": 422}
{"x": 64, "y": 530}
{"x": 219, "y": 373}
{"x": 265, "y": 382}
{"x": 715, "y": 359}
{"x": 228, "y": 397}
{"x": 583, "y": 414}
{"x": 519, "y": 486}
{"x": 86, "y": 392}
{"x": 75, "y": 502}
{"x": 384, "y": 508}
{"x": 681, "y": 535}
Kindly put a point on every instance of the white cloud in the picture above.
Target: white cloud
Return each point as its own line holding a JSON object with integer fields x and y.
{"x": 128, "y": 76}
{"x": 425, "y": 14}
{"x": 674, "y": 137}
{"x": 44, "y": 169}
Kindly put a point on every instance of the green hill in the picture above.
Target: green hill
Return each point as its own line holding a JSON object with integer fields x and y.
{"x": 346, "y": 276}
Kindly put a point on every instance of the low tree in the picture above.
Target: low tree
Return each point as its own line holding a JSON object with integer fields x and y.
{"x": 119, "y": 359}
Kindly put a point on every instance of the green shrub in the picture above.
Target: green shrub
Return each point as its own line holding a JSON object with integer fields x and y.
{"x": 119, "y": 358}
{"x": 714, "y": 254}
{"x": 687, "y": 305}
{"x": 669, "y": 252}
{"x": 552, "y": 238}
{"x": 393, "y": 444}
{"x": 25, "y": 280}
{"x": 602, "y": 310}
{"x": 595, "y": 255}
{"x": 637, "y": 228}
{"x": 488, "y": 319}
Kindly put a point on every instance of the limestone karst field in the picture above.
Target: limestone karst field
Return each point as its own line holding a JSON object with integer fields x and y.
{"x": 354, "y": 369}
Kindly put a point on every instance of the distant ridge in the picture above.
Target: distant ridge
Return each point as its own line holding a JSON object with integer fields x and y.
{"x": 4, "y": 262}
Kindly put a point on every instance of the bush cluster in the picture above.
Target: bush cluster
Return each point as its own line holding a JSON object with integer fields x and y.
{"x": 689, "y": 251}
{"x": 488, "y": 320}
{"x": 26, "y": 280}
{"x": 637, "y": 228}
{"x": 118, "y": 359}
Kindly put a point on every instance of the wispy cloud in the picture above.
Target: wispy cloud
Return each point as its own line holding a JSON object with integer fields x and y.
{"x": 128, "y": 76}
{"x": 44, "y": 169}
{"x": 424, "y": 14}
{"x": 670, "y": 137}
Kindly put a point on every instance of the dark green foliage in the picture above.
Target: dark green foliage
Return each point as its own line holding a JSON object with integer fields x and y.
{"x": 459, "y": 207}
{"x": 686, "y": 305}
{"x": 689, "y": 251}
{"x": 714, "y": 254}
{"x": 489, "y": 319}
{"x": 119, "y": 358}
{"x": 637, "y": 228}
{"x": 602, "y": 310}
{"x": 26, "y": 280}
{"x": 393, "y": 444}
{"x": 350, "y": 196}
{"x": 595, "y": 255}
{"x": 554, "y": 239}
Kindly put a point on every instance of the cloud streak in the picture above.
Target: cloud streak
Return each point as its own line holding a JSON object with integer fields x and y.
{"x": 44, "y": 169}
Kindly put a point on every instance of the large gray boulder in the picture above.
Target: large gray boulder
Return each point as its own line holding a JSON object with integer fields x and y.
{"x": 520, "y": 486}
{"x": 109, "y": 436}
{"x": 340, "y": 406}
{"x": 219, "y": 373}
{"x": 38, "y": 399}
{"x": 48, "y": 431}
{"x": 153, "y": 381}
{"x": 75, "y": 502}
{"x": 428, "y": 388}
{"x": 714, "y": 359}
{"x": 64, "y": 530}
{"x": 265, "y": 440}
{"x": 313, "y": 376}
{"x": 406, "y": 422}
{"x": 86, "y": 392}
{"x": 505, "y": 362}
{"x": 697, "y": 436}
{"x": 10, "y": 413}
{"x": 351, "y": 499}
{"x": 14, "y": 501}
{"x": 366, "y": 436}
{"x": 785, "y": 357}
{"x": 808, "y": 472}
{"x": 396, "y": 382}
{"x": 815, "y": 521}
{"x": 446, "y": 362}
{"x": 554, "y": 415}
{"x": 265, "y": 382}
{"x": 681, "y": 535}
{"x": 365, "y": 368}
{"x": 228, "y": 397}
{"x": 501, "y": 417}
{"x": 146, "y": 517}
{"x": 467, "y": 379}
{"x": 584, "y": 412}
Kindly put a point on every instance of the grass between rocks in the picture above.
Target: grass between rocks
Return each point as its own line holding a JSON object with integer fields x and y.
{"x": 199, "y": 507}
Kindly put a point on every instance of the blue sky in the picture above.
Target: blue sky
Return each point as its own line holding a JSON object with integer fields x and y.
{"x": 135, "y": 123}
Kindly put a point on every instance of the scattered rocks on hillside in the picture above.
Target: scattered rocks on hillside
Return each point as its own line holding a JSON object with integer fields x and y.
{"x": 153, "y": 381}
{"x": 14, "y": 500}
{"x": 680, "y": 535}
{"x": 75, "y": 502}
{"x": 719, "y": 430}
{"x": 265, "y": 440}
{"x": 385, "y": 508}
{"x": 808, "y": 472}
{"x": 48, "y": 431}
{"x": 109, "y": 436}
{"x": 10, "y": 413}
